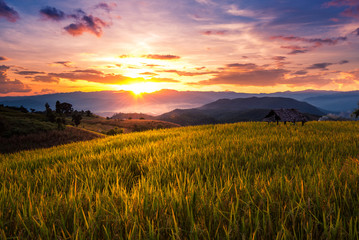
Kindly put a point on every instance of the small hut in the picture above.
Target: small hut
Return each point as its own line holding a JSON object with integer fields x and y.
{"x": 285, "y": 115}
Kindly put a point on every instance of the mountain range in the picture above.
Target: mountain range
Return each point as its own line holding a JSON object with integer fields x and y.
{"x": 106, "y": 103}
{"x": 237, "y": 110}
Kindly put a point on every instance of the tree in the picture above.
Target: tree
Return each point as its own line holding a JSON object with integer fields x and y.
{"x": 58, "y": 107}
{"x": 88, "y": 113}
{"x": 49, "y": 114}
{"x": 76, "y": 118}
{"x": 64, "y": 108}
{"x": 23, "y": 109}
{"x": 356, "y": 113}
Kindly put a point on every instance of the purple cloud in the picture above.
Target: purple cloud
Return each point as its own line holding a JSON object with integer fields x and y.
{"x": 27, "y": 73}
{"x": 8, "y": 13}
{"x": 315, "y": 43}
{"x": 161, "y": 57}
{"x": 2, "y": 58}
{"x": 257, "y": 77}
{"x": 46, "y": 79}
{"x": 8, "y": 86}
{"x": 320, "y": 66}
{"x": 86, "y": 23}
{"x": 64, "y": 63}
{"x": 83, "y": 21}
{"x": 105, "y": 6}
{"x": 52, "y": 13}
{"x": 352, "y": 9}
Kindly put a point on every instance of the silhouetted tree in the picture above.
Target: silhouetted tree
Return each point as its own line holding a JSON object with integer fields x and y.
{"x": 88, "y": 113}
{"x": 64, "y": 108}
{"x": 49, "y": 114}
{"x": 23, "y": 109}
{"x": 32, "y": 110}
{"x": 76, "y": 118}
{"x": 58, "y": 107}
{"x": 356, "y": 113}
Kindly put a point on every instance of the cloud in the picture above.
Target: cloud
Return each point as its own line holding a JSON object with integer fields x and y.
{"x": 159, "y": 80}
{"x": 8, "y": 86}
{"x": 235, "y": 11}
{"x": 27, "y": 73}
{"x": 8, "y": 13}
{"x": 206, "y": 2}
{"x": 190, "y": 74}
{"x": 149, "y": 74}
{"x": 92, "y": 75}
{"x": 296, "y": 49}
{"x": 52, "y": 13}
{"x": 324, "y": 65}
{"x": 87, "y": 23}
{"x": 300, "y": 72}
{"x": 83, "y": 22}
{"x": 64, "y": 63}
{"x": 351, "y": 12}
{"x": 315, "y": 43}
{"x": 279, "y": 58}
{"x": 92, "y": 71}
{"x": 320, "y": 66}
{"x": 339, "y": 3}
{"x": 105, "y": 6}
{"x": 356, "y": 31}
{"x": 352, "y": 9}
{"x": 2, "y": 58}
{"x": 161, "y": 57}
{"x": 242, "y": 65}
{"x": 257, "y": 77}
{"x": 47, "y": 91}
{"x": 311, "y": 80}
{"x": 46, "y": 79}
{"x": 214, "y": 32}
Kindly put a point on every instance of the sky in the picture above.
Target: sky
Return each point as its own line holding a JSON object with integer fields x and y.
{"x": 257, "y": 46}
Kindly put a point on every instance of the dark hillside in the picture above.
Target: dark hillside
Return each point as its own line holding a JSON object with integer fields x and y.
{"x": 241, "y": 104}
{"x": 237, "y": 110}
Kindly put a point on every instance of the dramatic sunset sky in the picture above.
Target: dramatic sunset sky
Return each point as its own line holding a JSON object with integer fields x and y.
{"x": 209, "y": 45}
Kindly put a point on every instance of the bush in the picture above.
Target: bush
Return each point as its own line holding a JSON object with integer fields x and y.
{"x": 114, "y": 131}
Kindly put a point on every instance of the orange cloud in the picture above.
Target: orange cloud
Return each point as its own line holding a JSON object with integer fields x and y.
{"x": 161, "y": 57}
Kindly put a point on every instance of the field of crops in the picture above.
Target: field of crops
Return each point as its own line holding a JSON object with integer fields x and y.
{"x": 232, "y": 181}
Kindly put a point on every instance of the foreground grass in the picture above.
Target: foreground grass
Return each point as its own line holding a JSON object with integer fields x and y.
{"x": 244, "y": 180}
{"x": 47, "y": 139}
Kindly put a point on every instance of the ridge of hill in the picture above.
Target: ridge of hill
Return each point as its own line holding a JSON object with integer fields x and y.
{"x": 236, "y": 110}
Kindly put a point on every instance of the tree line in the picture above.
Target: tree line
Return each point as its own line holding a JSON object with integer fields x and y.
{"x": 63, "y": 110}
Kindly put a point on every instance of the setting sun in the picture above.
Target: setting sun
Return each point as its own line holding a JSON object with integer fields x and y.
{"x": 143, "y": 87}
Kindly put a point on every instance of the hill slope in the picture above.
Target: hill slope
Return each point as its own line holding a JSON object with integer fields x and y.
{"x": 251, "y": 180}
{"x": 236, "y": 110}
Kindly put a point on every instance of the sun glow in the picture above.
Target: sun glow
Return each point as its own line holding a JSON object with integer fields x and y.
{"x": 139, "y": 88}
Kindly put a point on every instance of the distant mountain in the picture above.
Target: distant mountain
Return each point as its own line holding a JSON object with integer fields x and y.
{"x": 242, "y": 104}
{"x": 132, "y": 116}
{"x": 111, "y": 102}
{"x": 235, "y": 110}
{"x": 106, "y": 103}
{"x": 187, "y": 117}
{"x": 337, "y": 101}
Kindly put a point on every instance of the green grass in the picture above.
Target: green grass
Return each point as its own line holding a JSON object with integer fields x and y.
{"x": 15, "y": 123}
{"x": 233, "y": 181}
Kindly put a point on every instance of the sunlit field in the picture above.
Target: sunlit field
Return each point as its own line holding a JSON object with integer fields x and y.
{"x": 232, "y": 181}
